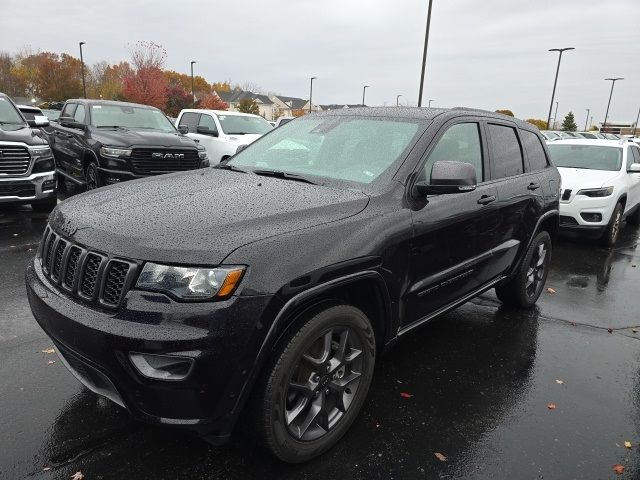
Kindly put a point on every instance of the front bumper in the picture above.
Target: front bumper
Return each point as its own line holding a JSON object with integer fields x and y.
{"x": 27, "y": 189}
{"x": 222, "y": 338}
{"x": 572, "y": 211}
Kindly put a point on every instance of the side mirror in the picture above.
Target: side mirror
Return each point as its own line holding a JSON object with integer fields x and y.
{"x": 241, "y": 147}
{"x": 634, "y": 168}
{"x": 207, "y": 131}
{"x": 448, "y": 177}
{"x": 69, "y": 122}
{"x": 183, "y": 129}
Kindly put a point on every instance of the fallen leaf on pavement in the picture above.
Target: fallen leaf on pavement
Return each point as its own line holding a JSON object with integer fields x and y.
{"x": 573, "y": 324}
{"x": 405, "y": 395}
{"x": 51, "y": 362}
{"x": 619, "y": 469}
{"x": 634, "y": 330}
{"x": 77, "y": 476}
{"x": 551, "y": 406}
{"x": 610, "y": 330}
{"x": 559, "y": 382}
{"x": 551, "y": 290}
{"x": 49, "y": 350}
{"x": 46, "y": 469}
{"x": 440, "y": 457}
{"x": 627, "y": 444}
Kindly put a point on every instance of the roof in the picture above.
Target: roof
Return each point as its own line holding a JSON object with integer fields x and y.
{"x": 592, "y": 142}
{"x": 219, "y": 112}
{"x": 295, "y": 102}
{"x": 235, "y": 96}
{"x": 89, "y": 101}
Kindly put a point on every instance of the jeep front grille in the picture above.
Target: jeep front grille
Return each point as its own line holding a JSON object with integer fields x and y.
{"x": 90, "y": 276}
{"x": 14, "y": 160}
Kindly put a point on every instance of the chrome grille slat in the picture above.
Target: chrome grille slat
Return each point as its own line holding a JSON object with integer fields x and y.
{"x": 14, "y": 160}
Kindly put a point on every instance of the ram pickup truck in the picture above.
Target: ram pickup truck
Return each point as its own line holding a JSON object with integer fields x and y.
{"x": 98, "y": 142}
{"x": 27, "y": 172}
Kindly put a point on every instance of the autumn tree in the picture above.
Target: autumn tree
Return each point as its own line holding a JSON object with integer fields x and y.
{"x": 9, "y": 83}
{"x": 569, "y": 123}
{"x": 249, "y": 105}
{"x": 221, "y": 86}
{"x": 177, "y": 99}
{"x": 213, "y": 102}
{"x": 299, "y": 112}
{"x": 147, "y": 83}
{"x": 106, "y": 80}
{"x": 541, "y": 124}
{"x": 200, "y": 85}
{"x": 505, "y": 112}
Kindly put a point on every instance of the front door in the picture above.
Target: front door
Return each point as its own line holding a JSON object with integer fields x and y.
{"x": 454, "y": 233}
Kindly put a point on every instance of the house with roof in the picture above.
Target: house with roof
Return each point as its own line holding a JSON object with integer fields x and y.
{"x": 287, "y": 105}
{"x": 265, "y": 105}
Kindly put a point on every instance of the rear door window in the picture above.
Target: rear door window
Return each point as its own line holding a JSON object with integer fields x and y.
{"x": 506, "y": 154}
{"x": 535, "y": 151}
{"x": 190, "y": 120}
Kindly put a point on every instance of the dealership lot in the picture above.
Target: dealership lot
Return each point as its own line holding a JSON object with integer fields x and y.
{"x": 474, "y": 386}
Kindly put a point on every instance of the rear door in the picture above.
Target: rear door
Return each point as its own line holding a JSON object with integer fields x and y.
{"x": 520, "y": 193}
{"x": 77, "y": 142}
{"x": 61, "y": 143}
{"x": 455, "y": 233}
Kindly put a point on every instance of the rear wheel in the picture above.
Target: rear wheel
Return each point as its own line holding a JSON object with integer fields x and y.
{"x": 524, "y": 289}
{"x": 610, "y": 236}
{"x": 316, "y": 384}
{"x": 92, "y": 177}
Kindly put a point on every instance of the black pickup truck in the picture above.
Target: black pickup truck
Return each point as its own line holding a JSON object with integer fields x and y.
{"x": 98, "y": 142}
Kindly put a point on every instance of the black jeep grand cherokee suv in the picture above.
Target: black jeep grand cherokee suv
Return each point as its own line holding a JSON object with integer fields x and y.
{"x": 100, "y": 142}
{"x": 265, "y": 287}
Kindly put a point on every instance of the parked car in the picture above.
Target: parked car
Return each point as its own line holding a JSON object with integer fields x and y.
{"x": 283, "y": 120}
{"x": 222, "y": 132}
{"x": 36, "y": 118}
{"x": 99, "y": 142}
{"x": 601, "y": 186}
{"x": 549, "y": 135}
{"x": 266, "y": 287}
{"x": 27, "y": 171}
{"x": 587, "y": 135}
{"x": 52, "y": 115}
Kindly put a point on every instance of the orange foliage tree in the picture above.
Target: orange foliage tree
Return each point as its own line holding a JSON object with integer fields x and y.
{"x": 147, "y": 82}
{"x": 212, "y": 102}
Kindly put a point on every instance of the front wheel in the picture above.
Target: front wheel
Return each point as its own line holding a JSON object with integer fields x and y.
{"x": 92, "y": 177}
{"x": 316, "y": 384}
{"x": 610, "y": 236}
{"x": 524, "y": 289}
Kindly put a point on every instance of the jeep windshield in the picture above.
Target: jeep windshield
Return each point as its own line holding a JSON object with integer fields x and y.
{"x": 241, "y": 125}
{"x": 347, "y": 148}
{"x": 591, "y": 157}
{"x": 126, "y": 116}
{"x": 9, "y": 115}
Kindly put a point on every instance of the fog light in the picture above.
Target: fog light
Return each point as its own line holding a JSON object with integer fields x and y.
{"x": 48, "y": 185}
{"x": 591, "y": 217}
{"x": 162, "y": 367}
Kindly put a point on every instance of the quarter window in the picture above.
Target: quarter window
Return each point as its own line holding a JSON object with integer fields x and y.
{"x": 535, "y": 150}
{"x": 460, "y": 143}
{"x": 506, "y": 154}
{"x": 633, "y": 156}
{"x": 190, "y": 120}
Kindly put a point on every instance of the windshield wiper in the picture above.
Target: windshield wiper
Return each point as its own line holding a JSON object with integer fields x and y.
{"x": 228, "y": 166}
{"x": 284, "y": 175}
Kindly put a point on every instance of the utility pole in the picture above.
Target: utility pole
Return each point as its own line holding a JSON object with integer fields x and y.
{"x": 586, "y": 120}
{"x": 635, "y": 125}
{"x": 555, "y": 82}
{"x": 193, "y": 94}
{"x": 311, "y": 92}
{"x": 398, "y": 100}
{"x": 424, "y": 53}
{"x": 613, "y": 83}
{"x": 84, "y": 85}
{"x": 554, "y": 117}
{"x": 364, "y": 90}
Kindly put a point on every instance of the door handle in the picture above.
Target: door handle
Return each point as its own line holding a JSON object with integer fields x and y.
{"x": 486, "y": 199}
{"x": 533, "y": 186}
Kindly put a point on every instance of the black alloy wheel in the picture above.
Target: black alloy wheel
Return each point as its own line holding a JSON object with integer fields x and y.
{"x": 91, "y": 177}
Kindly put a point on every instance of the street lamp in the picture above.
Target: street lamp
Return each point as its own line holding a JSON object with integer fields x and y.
{"x": 84, "y": 86}
{"x": 398, "y": 99}
{"x": 554, "y": 117}
{"x": 424, "y": 53}
{"x": 561, "y": 50}
{"x": 586, "y": 120}
{"x": 193, "y": 94}
{"x": 613, "y": 82}
{"x": 311, "y": 92}
{"x": 364, "y": 90}
{"x": 431, "y": 100}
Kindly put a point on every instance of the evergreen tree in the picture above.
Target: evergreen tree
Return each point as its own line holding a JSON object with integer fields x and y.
{"x": 569, "y": 123}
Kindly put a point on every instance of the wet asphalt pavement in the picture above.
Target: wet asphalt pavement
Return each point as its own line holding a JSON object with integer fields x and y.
{"x": 479, "y": 381}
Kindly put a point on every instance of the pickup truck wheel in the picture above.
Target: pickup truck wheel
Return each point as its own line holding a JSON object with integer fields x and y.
{"x": 610, "y": 236}
{"x": 92, "y": 177}
{"x": 315, "y": 384}
{"x": 44, "y": 205}
{"x": 524, "y": 289}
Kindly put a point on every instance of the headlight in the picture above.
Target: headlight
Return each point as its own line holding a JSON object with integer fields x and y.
{"x": 115, "y": 152}
{"x": 596, "y": 192}
{"x": 191, "y": 283}
{"x": 40, "y": 151}
{"x": 202, "y": 154}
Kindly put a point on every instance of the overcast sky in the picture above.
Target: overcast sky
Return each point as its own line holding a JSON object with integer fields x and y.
{"x": 482, "y": 53}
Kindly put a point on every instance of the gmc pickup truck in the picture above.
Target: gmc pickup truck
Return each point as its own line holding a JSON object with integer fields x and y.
{"x": 26, "y": 165}
{"x": 98, "y": 142}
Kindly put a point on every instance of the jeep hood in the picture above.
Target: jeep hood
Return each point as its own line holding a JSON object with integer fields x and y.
{"x": 198, "y": 217}
{"x": 579, "y": 178}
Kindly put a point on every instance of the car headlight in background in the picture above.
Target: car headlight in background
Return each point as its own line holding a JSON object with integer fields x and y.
{"x": 115, "y": 152}
{"x": 191, "y": 283}
{"x": 202, "y": 154}
{"x": 596, "y": 192}
{"x": 40, "y": 151}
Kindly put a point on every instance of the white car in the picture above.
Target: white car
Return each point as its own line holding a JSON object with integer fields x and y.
{"x": 221, "y": 132}
{"x": 600, "y": 185}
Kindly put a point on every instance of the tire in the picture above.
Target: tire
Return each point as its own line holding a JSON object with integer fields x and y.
{"x": 634, "y": 219}
{"x": 44, "y": 205}
{"x": 611, "y": 234}
{"x": 281, "y": 411}
{"x": 92, "y": 177}
{"x": 519, "y": 291}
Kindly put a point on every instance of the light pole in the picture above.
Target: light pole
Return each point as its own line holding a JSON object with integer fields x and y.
{"x": 311, "y": 92}
{"x": 554, "y": 117}
{"x": 364, "y": 90}
{"x": 613, "y": 82}
{"x": 431, "y": 100}
{"x": 635, "y": 125}
{"x": 193, "y": 94}
{"x": 398, "y": 100}
{"x": 555, "y": 82}
{"x": 84, "y": 85}
{"x": 424, "y": 53}
{"x": 586, "y": 120}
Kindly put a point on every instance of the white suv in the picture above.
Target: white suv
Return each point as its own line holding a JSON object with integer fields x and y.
{"x": 600, "y": 185}
{"x": 221, "y": 132}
